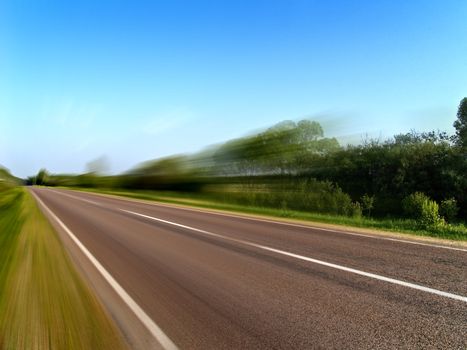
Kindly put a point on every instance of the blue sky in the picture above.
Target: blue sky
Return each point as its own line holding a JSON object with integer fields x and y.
{"x": 137, "y": 80}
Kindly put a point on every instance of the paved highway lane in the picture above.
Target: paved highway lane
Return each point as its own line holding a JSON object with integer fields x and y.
{"x": 212, "y": 281}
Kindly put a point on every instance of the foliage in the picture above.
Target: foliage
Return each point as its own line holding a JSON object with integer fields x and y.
{"x": 413, "y": 204}
{"x": 449, "y": 209}
{"x": 461, "y": 123}
{"x": 42, "y": 178}
{"x": 280, "y": 150}
{"x": 44, "y": 304}
{"x": 368, "y": 203}
{"x": 308, "y": 194}
{"x": 420, "y": 207}
{"x": 429, "y": 216}
{"x": 293, "y": 165}
{"x": 356, "y": 210}
{"x": 6, "y": 179}
{"x": 203, "y": 200}
{"x": 395, "y": 168}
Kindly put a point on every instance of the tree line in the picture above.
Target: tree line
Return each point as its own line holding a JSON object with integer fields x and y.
{"x": 292, "y": 165}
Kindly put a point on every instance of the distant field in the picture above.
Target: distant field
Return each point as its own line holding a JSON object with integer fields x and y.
{"x": 43, "y": 302}
{"x": 452, "y": 232}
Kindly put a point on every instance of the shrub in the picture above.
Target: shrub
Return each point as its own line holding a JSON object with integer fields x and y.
{"x": 368, "y": 203}
{"x": 429, "y": 217}
{"x": 449, "y": 209}
{"x": 421, "y": 208}
{"x": 356, "y": 210}
{"x": 412, "y": 204}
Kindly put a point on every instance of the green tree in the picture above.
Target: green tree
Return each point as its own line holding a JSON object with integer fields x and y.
{"x": 98, "y": 166}
{"x": 461, "y": 123}
{"x": 368, "y": 203}
{"x": 42, "y": 177}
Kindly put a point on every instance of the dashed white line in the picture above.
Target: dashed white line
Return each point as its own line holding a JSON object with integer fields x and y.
{"x": 312, "y": 260}
{"x": 153, "y": 328}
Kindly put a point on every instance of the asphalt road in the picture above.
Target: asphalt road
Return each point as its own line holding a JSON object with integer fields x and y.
{"x": 211, "y": 281}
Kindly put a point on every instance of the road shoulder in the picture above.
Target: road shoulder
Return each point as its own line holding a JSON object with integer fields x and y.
{"x": 344, "y": 229}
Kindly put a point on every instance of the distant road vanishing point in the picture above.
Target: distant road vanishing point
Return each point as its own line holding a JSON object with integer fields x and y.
{"x": 174, "y": 277}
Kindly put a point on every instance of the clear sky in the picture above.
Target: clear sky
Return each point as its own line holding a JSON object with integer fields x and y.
{"x": 136, "y": 80}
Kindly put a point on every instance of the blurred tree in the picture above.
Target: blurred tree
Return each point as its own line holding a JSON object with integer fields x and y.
{"x": 99, "y": 165}
{"x": 41, "y": 177}
{"x": 170, "y": 166}
{"x": 308, "y": 131}
{"x": 287, "y": 148}
{"x": 461, "y": 123}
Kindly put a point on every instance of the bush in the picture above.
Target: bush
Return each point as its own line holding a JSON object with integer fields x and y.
{"x": 356, "y": 210}
{"x": 420, "y": 207}
{"x": 368, "y": 203}
{"x": 430, "y": 215}
{"x": 412, "y": 204}
{"x": 449, "y": 209}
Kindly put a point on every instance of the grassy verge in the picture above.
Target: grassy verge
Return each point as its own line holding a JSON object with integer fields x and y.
{"x": 43, "y": 302}
{"x": 452, "y": 232}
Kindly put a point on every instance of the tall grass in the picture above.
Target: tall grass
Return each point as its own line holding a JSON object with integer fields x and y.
{"x": 44, "y": 304}
{"x": 11, "y": 222}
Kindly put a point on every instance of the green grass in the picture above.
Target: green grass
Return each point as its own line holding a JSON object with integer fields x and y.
{"x": 452, "y": 232}
{"x": 44, "y": 304}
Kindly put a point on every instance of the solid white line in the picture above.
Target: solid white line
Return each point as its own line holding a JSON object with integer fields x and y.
{"x": 316, "y": 228}
{"x": 239, "y": 216}
{"x": 324, "y": 229}
{"x": 375, "y": 237}
{"x": 316, "y": 261}
{"x": 154, "y": 329}
{"x": 77, "y": 198}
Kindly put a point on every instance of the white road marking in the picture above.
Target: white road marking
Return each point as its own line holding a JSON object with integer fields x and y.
{"x": 153, "y": 328}
{"x": 305, "y": 258}
{"x": 280, "y": 223}
{"x": 367, "y": 236}
{"x": 77, "y": 198}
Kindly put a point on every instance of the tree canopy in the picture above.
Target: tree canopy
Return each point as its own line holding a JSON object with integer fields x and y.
{"x": 461, "y": 123}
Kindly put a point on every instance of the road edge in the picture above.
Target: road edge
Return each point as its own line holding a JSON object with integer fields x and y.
{"x": 368, "y": 232}
{"x": 133, "y": 331}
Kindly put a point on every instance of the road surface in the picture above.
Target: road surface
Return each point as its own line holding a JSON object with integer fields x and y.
{"x": 194, "y": 279}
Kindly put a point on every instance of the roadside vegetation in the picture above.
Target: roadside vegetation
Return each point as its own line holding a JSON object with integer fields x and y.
{"x": 43, "y": 302}
{"x": 396, "y": 225}
{"x": 411, "y": 182}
